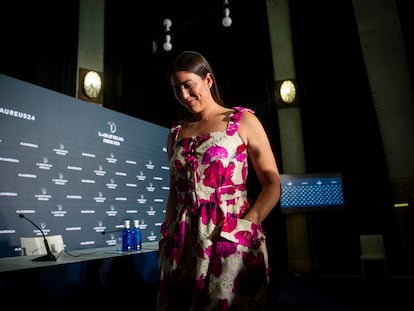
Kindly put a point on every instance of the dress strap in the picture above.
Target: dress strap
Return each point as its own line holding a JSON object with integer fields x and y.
{"x": 175, "y": 131}
{"x": 235, "y": 118}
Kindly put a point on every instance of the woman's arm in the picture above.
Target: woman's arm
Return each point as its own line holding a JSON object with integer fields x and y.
{"x": 264, "y": 163}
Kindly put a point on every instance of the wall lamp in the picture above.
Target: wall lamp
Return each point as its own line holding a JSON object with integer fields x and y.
{"x": 286, "y": 93}
{"x": 90, "y": 85}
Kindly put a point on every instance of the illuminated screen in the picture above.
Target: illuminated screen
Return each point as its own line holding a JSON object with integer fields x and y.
{"x": 311, "y": 192}
{"x": 77, "y": 169}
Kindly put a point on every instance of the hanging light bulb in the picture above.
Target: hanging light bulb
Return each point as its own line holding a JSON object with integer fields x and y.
{"x": 167, "y": 44}
{"x": 226, "y": 19}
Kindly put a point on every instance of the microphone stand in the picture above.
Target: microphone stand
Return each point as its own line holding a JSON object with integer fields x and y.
{"x": 49, "y": 256}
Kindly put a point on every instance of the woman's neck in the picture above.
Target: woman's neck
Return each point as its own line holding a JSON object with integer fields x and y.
{"x": 207, "y": 114}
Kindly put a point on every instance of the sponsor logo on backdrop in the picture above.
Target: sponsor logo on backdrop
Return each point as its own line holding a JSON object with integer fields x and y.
{"x": 87, "y": 243}
{"x": 61, "y": 150}
{"x": 111, "y": 184}
{"x": 17, "y": 114}
{"x": 100, "y": 198}
{"x": 111, "y": 158}
{"x": 9, "y": 160}
{"x": 59, "y": 212}
{"x": 142, "y": 199}
{"x": 25, "y": 175}
{"x": 73, "y": 228}
{"x": 151, "y": 211}
{"x": 43, "y": 196}
{"x": 141, "y": 176}
{"x": 30, "y": 145}
{"x": 112, "y": 212}
{"x": 99, "y": 171}
{"x": 149, "y": 165}
{"x": 150, "y": 187}
{"x": 100, "y": 227}
{"x": 60, "y": 181}
{"x": 42, "y": 226}
{"x": 44, "y": 165}
{"x": 152, "y": 237}
{"x": 112, "y": 240}
{"x": 142, "y": 224}
{"x": 111, "y": 138}
{"x": 87, "y": 181}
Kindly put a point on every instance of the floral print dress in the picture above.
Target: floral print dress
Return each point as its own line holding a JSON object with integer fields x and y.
{"x": 210, "y": 258}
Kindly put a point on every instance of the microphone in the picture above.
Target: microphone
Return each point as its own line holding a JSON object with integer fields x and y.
{"x": 49, "y": 256}
{"x": 105, "y": 232}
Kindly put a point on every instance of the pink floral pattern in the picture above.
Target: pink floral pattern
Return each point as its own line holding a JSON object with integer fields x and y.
{"x": 210, "y": 258}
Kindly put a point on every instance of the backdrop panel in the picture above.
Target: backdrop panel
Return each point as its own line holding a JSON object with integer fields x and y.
{"x": 76, "y": 169}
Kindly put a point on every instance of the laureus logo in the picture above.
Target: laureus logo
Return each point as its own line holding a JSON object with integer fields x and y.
{"x": 111, "y": 138}
{"x": 112, "y": 127}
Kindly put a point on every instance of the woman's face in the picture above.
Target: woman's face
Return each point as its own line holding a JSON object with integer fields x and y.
{"x": 191, "y": 90}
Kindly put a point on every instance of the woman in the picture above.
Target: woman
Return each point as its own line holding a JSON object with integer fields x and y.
{"x": 212, "y": 250}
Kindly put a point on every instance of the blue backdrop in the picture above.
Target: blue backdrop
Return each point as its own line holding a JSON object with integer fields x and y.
{"x": 77, "y": 169}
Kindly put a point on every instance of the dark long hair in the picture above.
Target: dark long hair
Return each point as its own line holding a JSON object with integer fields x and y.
{"x": 196, "y": 63}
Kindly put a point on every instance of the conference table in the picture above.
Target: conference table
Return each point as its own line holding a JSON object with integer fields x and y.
{"x": 101, "y": 277}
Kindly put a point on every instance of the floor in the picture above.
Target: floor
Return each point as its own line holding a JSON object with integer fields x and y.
{"x": 296, "y": 292}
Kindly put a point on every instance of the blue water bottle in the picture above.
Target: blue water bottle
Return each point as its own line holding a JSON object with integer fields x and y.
{"x": 136, "y": 236}
{"x": 126, "y": 236}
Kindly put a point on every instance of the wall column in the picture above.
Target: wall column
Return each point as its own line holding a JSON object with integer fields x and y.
{"x": 387, "y": 69}
{"x": 91, "y": 37}
{"x": 293, "y": 158}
